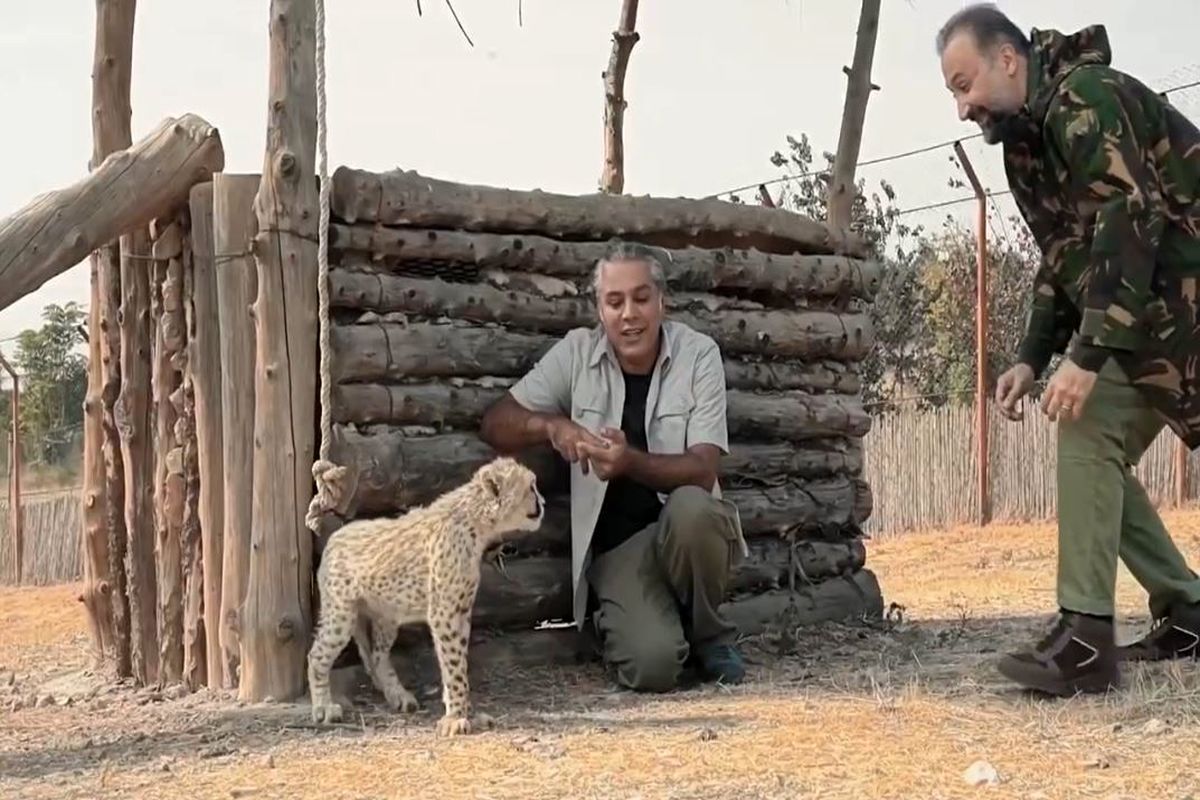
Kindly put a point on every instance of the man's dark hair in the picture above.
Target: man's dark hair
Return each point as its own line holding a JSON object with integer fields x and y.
{"x": 988, "y": 24}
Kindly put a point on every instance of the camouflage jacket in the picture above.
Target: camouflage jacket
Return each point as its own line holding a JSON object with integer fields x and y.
{"x": 1107, "y": 175}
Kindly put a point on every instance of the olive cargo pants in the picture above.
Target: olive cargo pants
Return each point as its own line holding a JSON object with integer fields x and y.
{"x": 1103, "y": 510}
{"x": 658, "y": 592}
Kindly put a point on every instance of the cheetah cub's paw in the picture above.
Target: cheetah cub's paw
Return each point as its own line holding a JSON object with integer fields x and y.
{"x": 456, "y": 726}
{"x": 327, "y": 712}
{"x": 402, "y": 700}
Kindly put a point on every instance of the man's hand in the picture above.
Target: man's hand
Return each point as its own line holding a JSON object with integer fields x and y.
{"x": 1012, "y": 386}
{"x": 611, "y": 457}
{"x": 570, "y": 440}
{"x": 1067, "y": 391}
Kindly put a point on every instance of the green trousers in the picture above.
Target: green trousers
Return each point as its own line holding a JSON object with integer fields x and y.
{"x": 658, "y": 593}
{"x": 1103, "y": 510}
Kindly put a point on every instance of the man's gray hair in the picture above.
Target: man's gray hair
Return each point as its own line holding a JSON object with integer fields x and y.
{"x": 988, "y": 24}
{"x": 632, "y": 251}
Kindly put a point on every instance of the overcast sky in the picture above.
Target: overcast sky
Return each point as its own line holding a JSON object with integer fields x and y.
{"x": 713, "y": 88}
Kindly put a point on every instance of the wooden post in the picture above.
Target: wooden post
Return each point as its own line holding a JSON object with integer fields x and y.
{"x": 15, "y": 518}
{"x": 236, "y": 285}
{"x": 135, "y": 423}
{"x": 104, "y": 592}
{"x": 96, "y": 596}
{"x": 195, "y": 655}
{"x": 612, "y": 179}
{"x": 1182, "y": 478}
{"x": 983, "y": 486}
{"x": 854, "y": 112}
{"x": 204, "y": 363}
{"x": 276, "y": 616}
{"x": 167, "y": 321}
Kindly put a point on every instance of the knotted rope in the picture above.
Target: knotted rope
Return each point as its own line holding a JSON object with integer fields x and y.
{"x": 330, "y": 478}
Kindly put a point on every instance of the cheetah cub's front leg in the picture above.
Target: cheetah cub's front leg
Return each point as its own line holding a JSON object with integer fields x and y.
{"x": 450, "y": 625}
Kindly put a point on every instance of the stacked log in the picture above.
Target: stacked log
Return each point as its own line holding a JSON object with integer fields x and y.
{"x": 443, "y": 295}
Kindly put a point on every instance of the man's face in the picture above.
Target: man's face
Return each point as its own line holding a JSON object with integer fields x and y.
{"x": 631, "y": 311}
{"x": 989, "y": 87}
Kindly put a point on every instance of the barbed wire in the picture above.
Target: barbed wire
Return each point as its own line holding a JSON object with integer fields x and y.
{"x": 896, "y": 157}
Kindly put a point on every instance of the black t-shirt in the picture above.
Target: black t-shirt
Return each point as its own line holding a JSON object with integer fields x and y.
{"x": 628, "y": 505}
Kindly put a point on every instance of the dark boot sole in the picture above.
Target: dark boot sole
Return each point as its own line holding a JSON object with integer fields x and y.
{"x": 1029, "y": 676}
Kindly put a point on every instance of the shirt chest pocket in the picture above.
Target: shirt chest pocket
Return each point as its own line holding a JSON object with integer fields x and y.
{"x": 669, "y": 424}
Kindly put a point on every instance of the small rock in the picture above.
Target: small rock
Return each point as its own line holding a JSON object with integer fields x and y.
{"x": 242, "y": 792}
{"x": 165, "y": 766}
{"x": 8, "y": 678}
{"x": 176, "y": 692}
{"x": 981, "y": 773}
{"x": 708, "y": 735}
{"x": 1097, "y": 761}
{"x": 270, "y": 762}
{"x": 1155, "y": 727}
{"x": 45, "y": 700}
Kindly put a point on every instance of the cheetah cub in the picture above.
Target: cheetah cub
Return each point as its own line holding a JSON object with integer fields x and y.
{"x": 422, "y": 566}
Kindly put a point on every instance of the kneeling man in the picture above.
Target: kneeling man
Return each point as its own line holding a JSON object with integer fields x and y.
{"x": 637, "y": 406}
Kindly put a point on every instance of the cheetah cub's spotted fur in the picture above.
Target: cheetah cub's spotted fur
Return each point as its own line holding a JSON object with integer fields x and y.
{"x": 423, "y": 566}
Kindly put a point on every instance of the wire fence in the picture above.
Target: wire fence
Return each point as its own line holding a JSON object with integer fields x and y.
{"x": 920, "y": 378}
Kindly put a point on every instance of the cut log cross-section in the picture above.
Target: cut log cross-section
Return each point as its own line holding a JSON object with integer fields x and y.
{"x": 405, "y": 198}
{"x": 131, "y": 187}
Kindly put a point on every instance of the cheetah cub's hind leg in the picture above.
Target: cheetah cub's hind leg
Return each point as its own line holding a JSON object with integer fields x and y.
{"x": 383, "y": 673}
{"x": 338, "y": 618}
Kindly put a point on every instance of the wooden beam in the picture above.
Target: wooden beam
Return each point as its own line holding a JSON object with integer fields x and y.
{"x": 204, "y": 362}
{"x": 391, "y": 471}
{"x": 612, "y": 179}
{"x": 787, "y": 416}
{"x": 57, "y": 230}
{"x": 413, "y": 200}
{"x": 234, "y": 226}
{"x": 687, "y": 268}
{"x": 775, "y": 333}
{"x": 277, "y": 614}
{"x": 416, "y": 351}
{"x": 854, "y": 112}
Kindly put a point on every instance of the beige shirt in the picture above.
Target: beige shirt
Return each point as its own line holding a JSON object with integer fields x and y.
{"x": 580, "y": 377}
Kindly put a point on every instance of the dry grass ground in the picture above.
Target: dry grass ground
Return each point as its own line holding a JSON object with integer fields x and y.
{"x": 897, "y": 710}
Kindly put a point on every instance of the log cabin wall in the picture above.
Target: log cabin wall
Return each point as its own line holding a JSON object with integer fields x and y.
{"x": 444, "y": 294}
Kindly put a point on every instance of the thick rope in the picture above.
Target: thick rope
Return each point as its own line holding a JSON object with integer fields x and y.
{"x": 329, "y": 477}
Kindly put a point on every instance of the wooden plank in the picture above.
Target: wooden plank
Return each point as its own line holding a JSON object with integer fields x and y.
{"x": 57, "y": 230}
{"x": 384, "y": 352}
{"x": 801, "y": 334}
{"x": 406, "y": 198}
{"x": 687, "y": 269}
{"x": 204, "y": 362}
{"x": 791, "y": 416}
{"x": 612, "y": 178}
{"x": 277, "y": 613}
{"x": 195, "y": 646}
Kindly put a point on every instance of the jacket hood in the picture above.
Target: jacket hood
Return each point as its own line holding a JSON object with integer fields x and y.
{"x": 1054, "y": 55}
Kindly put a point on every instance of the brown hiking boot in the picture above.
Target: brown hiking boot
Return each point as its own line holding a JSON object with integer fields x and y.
{"x": 1176, "y": 635}
{"x": 1079, "y": 655}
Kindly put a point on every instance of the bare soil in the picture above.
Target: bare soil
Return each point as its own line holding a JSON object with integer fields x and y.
{"x": 905, "y": 708}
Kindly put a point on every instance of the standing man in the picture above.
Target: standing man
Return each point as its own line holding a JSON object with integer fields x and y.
{"x": 1107, "y": 175}
{"x": 636, "y": 404}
